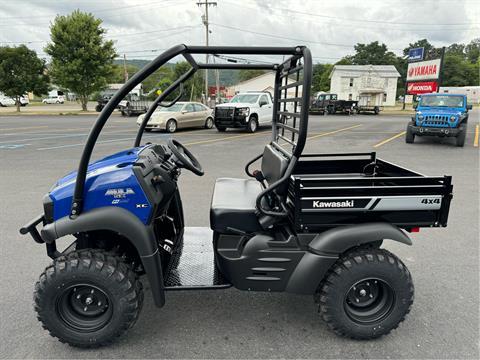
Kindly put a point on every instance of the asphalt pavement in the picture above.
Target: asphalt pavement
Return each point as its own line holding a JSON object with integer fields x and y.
{"x": 444, "y": 322}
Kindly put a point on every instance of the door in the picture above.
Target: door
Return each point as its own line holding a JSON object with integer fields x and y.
{"x": 187, "y": 116}
{"x": 201, "y": 115}
{"x": 264, "y": 109}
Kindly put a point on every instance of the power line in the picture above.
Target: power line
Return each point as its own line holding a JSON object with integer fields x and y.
{"x": 363, "y": 20}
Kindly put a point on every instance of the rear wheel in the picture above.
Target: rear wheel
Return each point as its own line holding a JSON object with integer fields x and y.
{"x": 208, "y": 123}
{"x": 88, "y": 298}
{"x": 376, "y": 110}
{"x": 171, "y": 126}
{"x": 460, "y": 139}
{"x": 366, "y": 294}
{"x": 409, "y": 136}
{"x": 252, "y": 124}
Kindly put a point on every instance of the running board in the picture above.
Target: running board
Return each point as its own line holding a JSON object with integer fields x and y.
{"x": 192, "y": 266}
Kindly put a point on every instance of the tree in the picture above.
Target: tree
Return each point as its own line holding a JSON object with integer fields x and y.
{"x": 81, "y": 57}
{"x": 118, "y": 73}
{"x": 321, "y": 77}
{"x": 430, "y": 51}
{"x": 21, "y": 71}
{"x": 248, "y": 74}
{"x": 372, "y": 54}
{"x": 472, "y": 51}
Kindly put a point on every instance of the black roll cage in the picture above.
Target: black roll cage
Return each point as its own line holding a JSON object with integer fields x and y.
{"x": 289, "y": 126}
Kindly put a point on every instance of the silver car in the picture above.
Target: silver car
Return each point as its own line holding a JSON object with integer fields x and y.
{"x": 179, "y": 116}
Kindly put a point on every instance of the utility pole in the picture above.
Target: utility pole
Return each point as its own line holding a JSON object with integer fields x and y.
{"x": 125, "y": 72}
{"x": 207, "y": 3}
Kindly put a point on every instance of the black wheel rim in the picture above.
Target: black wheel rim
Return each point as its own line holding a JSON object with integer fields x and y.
{"x": 369, "y": 301}
{"x": 84, "y": 307}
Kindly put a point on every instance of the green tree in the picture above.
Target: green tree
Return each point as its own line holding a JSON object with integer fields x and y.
{"x": 321, "y": 77}
{"x": 430, "y": 51}
{"x": 373, "y": 54}
{"x": 472, "y": 51}
{"x": 81, "y": 57}
{"x": 118, "y": 73}
{"x": 21, "y": 71}
{"x": 248, "y": 74}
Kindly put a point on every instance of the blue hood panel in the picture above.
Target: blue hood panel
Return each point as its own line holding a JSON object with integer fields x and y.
{"x": 109, "y": 182}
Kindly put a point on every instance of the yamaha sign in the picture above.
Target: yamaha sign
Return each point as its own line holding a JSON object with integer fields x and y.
{"x": 423, "y": 70}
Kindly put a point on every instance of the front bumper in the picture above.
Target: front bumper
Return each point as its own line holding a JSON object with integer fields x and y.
{"x": 434, "y": 131}
{"x": 236, "y": 121}
{"x": 31, "y": 228}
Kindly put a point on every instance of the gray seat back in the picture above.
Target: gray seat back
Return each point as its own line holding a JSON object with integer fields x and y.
{"x": 274, "y": 165}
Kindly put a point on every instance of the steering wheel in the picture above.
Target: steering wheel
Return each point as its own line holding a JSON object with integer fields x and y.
{"x": 184, "y": 157}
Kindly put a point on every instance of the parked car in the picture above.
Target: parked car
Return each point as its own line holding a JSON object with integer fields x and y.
{"x": 6, "y": 101}
{"x": 54, "y": 99}
{"x": 245, "y": 110}
{"x": 444, "y": 115}
{"x": 24, "y": 101}
{"x": 181, "y": 115}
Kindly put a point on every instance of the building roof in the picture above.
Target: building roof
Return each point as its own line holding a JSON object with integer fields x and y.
{"x": 357, "y": 70}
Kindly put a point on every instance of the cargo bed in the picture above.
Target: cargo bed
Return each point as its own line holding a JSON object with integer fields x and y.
{"x": 328, "y": 190}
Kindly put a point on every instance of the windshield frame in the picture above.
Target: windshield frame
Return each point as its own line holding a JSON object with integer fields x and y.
{"x": 446, "y": 105}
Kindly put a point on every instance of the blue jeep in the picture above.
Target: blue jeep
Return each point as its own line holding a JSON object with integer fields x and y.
{"x": 442, "y": 115}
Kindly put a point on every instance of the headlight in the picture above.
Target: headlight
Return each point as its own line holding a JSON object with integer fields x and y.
{"x": 452, "y": 118}
{"x": 243, "y": 111}
{"x": 420, "y": 116}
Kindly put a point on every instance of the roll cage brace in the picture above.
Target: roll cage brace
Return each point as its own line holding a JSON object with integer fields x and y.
{"x": 289, "y": 124}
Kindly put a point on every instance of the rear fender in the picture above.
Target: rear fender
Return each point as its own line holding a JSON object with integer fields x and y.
{"x": 340, "y": 239}
{"x": 326, "y": 248}
{"x": 126, "y": 224}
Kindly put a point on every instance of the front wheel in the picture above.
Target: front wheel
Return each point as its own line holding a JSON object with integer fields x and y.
{"x": 460, "y": 139}
{"x": 409, "y": 136}
{"x": 252, "y": 124}
{"x": 367, "y": 293}
{"x": 171, "y": 126}
{"x": 88, "y": 298}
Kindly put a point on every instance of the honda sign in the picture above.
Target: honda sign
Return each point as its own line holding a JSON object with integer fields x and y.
{"x": 422, "y": 87}
{"x": 423, "y": 70}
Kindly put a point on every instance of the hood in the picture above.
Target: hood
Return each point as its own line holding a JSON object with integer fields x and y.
{"x": 235, "y": 105}
{"x": 156, "y": 117}
{"x": 439, "y": 111}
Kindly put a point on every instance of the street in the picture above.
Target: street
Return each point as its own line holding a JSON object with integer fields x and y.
{"x": 37, "y": 150}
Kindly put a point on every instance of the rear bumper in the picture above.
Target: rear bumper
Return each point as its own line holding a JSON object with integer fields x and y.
{"x": 434, "y": 131}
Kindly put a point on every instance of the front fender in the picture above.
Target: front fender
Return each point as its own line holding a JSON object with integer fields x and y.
{"x": 340, "y": 239}
{"x": 126, "y": 224}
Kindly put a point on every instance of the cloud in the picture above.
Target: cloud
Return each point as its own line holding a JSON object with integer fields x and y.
{"x": 329, "y": 28}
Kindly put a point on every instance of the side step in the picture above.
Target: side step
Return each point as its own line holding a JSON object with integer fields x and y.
{"x": 192, "y": 266}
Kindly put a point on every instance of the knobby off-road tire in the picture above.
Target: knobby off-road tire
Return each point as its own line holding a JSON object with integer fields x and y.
{"x": 409, "y": 136}
{"x": 367, "y": 293}
{"x": 88, "y": 298}
{"x": 460, "y": 139}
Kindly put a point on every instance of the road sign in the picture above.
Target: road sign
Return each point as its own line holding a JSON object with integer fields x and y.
{"x": 415, "y": 54}
{"x": 422, "y": 87}
{"x": 423, "y": 70}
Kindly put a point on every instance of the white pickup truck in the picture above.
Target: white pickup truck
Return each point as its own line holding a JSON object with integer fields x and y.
{"x": 245, "y": 110}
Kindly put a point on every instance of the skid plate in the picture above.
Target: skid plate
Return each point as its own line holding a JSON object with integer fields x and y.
{"x": 193, "y": 265}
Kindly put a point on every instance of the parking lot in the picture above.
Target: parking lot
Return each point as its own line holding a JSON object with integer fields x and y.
{"x": 36, "y": 150}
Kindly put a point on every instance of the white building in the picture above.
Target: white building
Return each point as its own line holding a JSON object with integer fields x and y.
{"x": 472, "y": 92}
{"x": 264, "y": 82}
{"x": 371, "y": 85}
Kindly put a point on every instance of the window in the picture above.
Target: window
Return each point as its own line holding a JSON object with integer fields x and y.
{"x": 327, "y": 97}
{"x": 350, "y": 96}
{"x": 351, "y": 82}
{"x": 263, "y": 99}
{"x": 199, "y": 107}
{"x": 189, "y": 108}
{"x": 384, "y": 97}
